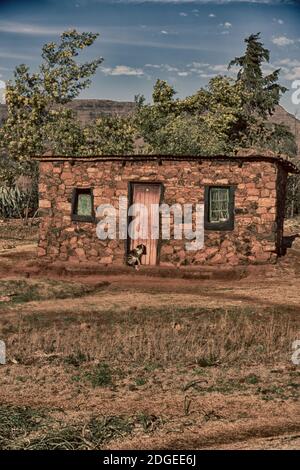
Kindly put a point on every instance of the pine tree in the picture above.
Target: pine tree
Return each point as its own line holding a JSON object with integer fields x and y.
{"x": 261, "y": 93}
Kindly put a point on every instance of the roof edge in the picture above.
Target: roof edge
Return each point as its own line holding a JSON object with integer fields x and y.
{"x": 287, "y": 164}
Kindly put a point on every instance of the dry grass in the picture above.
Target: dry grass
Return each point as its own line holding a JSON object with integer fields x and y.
{"x": 163, "y": 335}
{"x": 148, "y": 363}
{"x": 26, "y": 290}
{"x": 32, "y": 429}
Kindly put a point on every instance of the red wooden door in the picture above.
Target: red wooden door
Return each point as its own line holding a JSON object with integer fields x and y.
{"x": 149, "y": 196}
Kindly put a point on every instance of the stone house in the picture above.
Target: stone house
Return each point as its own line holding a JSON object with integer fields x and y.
{"x": 243, "y": 198}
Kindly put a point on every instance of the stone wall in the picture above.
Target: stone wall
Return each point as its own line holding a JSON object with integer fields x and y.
{"x": 253, "y": 240}
{"x": 281, "y": 187}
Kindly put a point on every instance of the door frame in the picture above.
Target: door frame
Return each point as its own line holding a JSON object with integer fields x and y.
{"x": 129, "y": 218}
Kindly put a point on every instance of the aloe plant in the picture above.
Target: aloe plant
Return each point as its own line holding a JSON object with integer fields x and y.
{"x": 13, "y": 202}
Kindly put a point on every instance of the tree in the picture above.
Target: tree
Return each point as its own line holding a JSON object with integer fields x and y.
{"x": 232, "y": 113}
{"x": 259, "y": 96}
{"x": 260, "y": 93}
{"x": 34, "y": 100}
{"x": 62, "y": 133}
{"x": 197, "y": 125}
{"x": 109, "y": 136}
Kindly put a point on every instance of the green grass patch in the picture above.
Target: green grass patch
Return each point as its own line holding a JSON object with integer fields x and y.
{"x": 90, "y": 436}
{"x": 16, "y": 422}
{"x": 76, "y": 359}
{"x": 152, "y": 366}
{"x": 100, "y": 376}
{"x": 252, "y": 379}
{"x": 140, "y": 381}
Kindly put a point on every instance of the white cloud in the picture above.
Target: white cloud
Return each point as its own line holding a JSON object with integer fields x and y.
{"x": 12, "y": 55}
{"x": 164, "y": 31}
{"x": 198, "y": 64}
{"x": 227, "y": 27}
{"x": 219, "y": 68}
{"x": 164, "y": 67}
{"x": 207, "y": 75}
{"x": 293, "y": 74}
{"x": 153, "y": 66}
{"x": 122, "y": 70}
{"x": 282, "y": 41}
{"x": 196, "y": 70}
{"x": 268, "y": 68}
{"x": 288, "y": 62}
{"x": 212, "y": 15}
{"x": 278, "y": 20}
{"x": 202, "y": 69}
{"x": 169, "y": 68}
{"x": 31, "y": 29}
{"x": 183, "y": 14}
{"x": 2, "y": 91}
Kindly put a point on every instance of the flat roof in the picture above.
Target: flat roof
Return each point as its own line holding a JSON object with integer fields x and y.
{"x": 278, "y": 159}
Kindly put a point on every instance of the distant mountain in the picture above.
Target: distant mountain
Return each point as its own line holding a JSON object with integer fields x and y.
{"x": 88, "y": 110}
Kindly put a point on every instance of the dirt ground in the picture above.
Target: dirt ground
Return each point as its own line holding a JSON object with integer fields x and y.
{"x": 138, "y": 362}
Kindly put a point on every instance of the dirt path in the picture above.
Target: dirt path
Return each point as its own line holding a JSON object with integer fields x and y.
{"x": 123, "y": 293}
{"x": 277, "y": 434}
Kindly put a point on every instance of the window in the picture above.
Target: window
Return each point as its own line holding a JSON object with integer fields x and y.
{"x": 82, "y": 205}
{"x": 219, "y": 207}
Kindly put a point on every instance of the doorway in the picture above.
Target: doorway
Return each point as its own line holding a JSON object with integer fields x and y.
{"x": 147, "y": 194}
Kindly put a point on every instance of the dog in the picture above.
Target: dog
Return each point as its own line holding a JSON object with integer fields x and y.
{"x": 135, "y": 255}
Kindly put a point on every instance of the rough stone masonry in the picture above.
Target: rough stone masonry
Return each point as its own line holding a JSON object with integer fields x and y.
{"x": 259, "y": 183}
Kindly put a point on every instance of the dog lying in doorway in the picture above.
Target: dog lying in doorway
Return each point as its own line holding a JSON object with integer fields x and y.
{"x": 134, "y": 256}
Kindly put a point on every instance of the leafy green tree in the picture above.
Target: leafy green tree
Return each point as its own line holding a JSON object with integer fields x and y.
{"x": 62, "y": 78}
{"x": 62, "y": 133}
{"x": 109, "y": 136}
{"x": 260, "y": 95}
{"x": 197, "y": 125}
{"x": 34, "y": 100}
{"x": 232, "y": 113}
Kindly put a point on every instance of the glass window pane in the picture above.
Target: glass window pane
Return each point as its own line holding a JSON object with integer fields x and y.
{"x": 84, "y": 204}
{"x": 219, "y": 204}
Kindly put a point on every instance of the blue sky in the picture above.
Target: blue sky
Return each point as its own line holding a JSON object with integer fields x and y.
{"x": 184, "y": 42}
